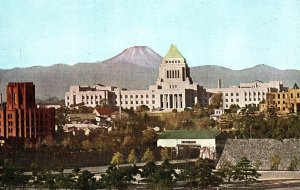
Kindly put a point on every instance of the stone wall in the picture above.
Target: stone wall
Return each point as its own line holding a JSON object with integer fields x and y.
{"x": 261, "y": 150}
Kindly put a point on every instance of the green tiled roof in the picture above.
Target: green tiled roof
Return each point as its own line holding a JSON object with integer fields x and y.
{"x": 173, "y": 53}
{"x": 189, "y": 134}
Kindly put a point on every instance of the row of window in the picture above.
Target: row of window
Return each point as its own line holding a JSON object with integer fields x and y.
{"x": 188, "y": 142}
{"x": 245, "y": 93}
{"x": 92, "y": 97}
{"x": 173, "y": 86}
{"x": 91, "y": 102}
{"x": 237, "y": 100}
{"x": 292, "y": 95}
{"x": 138, "y": 102}
{"x": 174, "y": 61}
{"x": 173, "y": 74}
{"x": 283, "y": 95}
{"x": 283, "y": 102}
{"x": 283, "y": 108}
{"x": 137, "y": 96}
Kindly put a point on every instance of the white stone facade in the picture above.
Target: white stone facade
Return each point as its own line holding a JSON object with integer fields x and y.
{"x": 90, "y": 96}
{"x": 174, "y": 89}
{"x": 246, "y": 93}
{"x": 172, "y": 143}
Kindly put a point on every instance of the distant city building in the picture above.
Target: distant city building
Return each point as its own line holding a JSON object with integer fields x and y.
{"x": 217, "y": 114}
{"x": 21, "y": 117}
{"x": 90, "y": 96}
{"x": 283, "y": 102}
{"x": 246, "y": 93}
{"x": 174, "y": 89}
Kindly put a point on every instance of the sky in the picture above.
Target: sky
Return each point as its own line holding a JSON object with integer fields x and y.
{"x": 236, "y": 34}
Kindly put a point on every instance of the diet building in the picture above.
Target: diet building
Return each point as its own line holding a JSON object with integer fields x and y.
{"x": 174, "y": 89}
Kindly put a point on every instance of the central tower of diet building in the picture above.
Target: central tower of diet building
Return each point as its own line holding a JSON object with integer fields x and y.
{"x": 174, "y": 88}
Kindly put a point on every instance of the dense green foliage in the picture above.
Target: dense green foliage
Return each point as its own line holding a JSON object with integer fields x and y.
{"x": 164, "y": 176}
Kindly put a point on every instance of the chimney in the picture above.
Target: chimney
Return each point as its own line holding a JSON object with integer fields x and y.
{"x": 120, "y": 106}
{"x": 219, "y": 83}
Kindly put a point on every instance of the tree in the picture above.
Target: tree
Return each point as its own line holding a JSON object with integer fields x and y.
{"x": 142, "y": 108}
{"x": 132, "y": 158}
{"x": 149, "y": 138}
{"x": 294, "y": 163}
{"x": 12, "y": 175}
{"x": 118, "y": 178}
{"x": 202, "y": 175}
{"x": 87, "y": 145}
{"x": 227, "y": 170}
{"x": 216, "y": 101}
{"x": 162, "y": 177}
{"x": 275, "y": 161}
{"x": 257, "y": 164}
{"x": 86, "y": 181}
{"x": 245, "y": 171}
{"x": 206, "y": 176}
{"x": 165, "y": 154}
{"x": 148, "y": 156}
{"x": 149, "y": 169}
{"x": 234, "y": 108}
{"x": 117, "y": 159}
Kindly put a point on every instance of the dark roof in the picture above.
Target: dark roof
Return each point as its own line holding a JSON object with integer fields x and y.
{"x": 104, "y": 111}
{"x": 189, "y": 134}
{"x": 295, "y": 86}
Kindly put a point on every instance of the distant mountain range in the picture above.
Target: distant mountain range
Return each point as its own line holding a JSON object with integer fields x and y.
{"x": 134, "y": 68}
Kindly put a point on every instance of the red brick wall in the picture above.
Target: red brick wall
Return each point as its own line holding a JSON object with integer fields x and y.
{"x": 23, "y": 118}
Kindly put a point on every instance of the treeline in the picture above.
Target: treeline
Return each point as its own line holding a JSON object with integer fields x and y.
{"x": 251, "y": 124}
{"x": 150, "y": 176}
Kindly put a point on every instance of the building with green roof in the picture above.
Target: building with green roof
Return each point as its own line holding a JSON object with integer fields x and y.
{"x": 204, "y": 140}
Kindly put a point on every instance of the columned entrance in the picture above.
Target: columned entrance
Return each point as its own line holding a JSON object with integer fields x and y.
{"x": 171, "y": 101}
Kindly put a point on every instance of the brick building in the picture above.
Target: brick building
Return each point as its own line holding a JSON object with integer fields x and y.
{"x": 21, "y": 118}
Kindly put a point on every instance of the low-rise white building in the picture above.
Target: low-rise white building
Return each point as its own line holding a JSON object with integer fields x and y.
{"x": 90, "y": 96}
{"x": 205, "y": 140}
{"x": 217, "y": 114}
{"x": 246, "y": 93}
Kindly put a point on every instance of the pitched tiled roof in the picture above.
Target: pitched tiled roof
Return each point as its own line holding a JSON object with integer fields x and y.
{"x": 189, "y": 134}
{"x": 104, "y": 111}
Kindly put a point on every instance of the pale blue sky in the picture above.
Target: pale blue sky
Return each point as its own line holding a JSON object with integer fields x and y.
{"x": 234, "y": 34}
